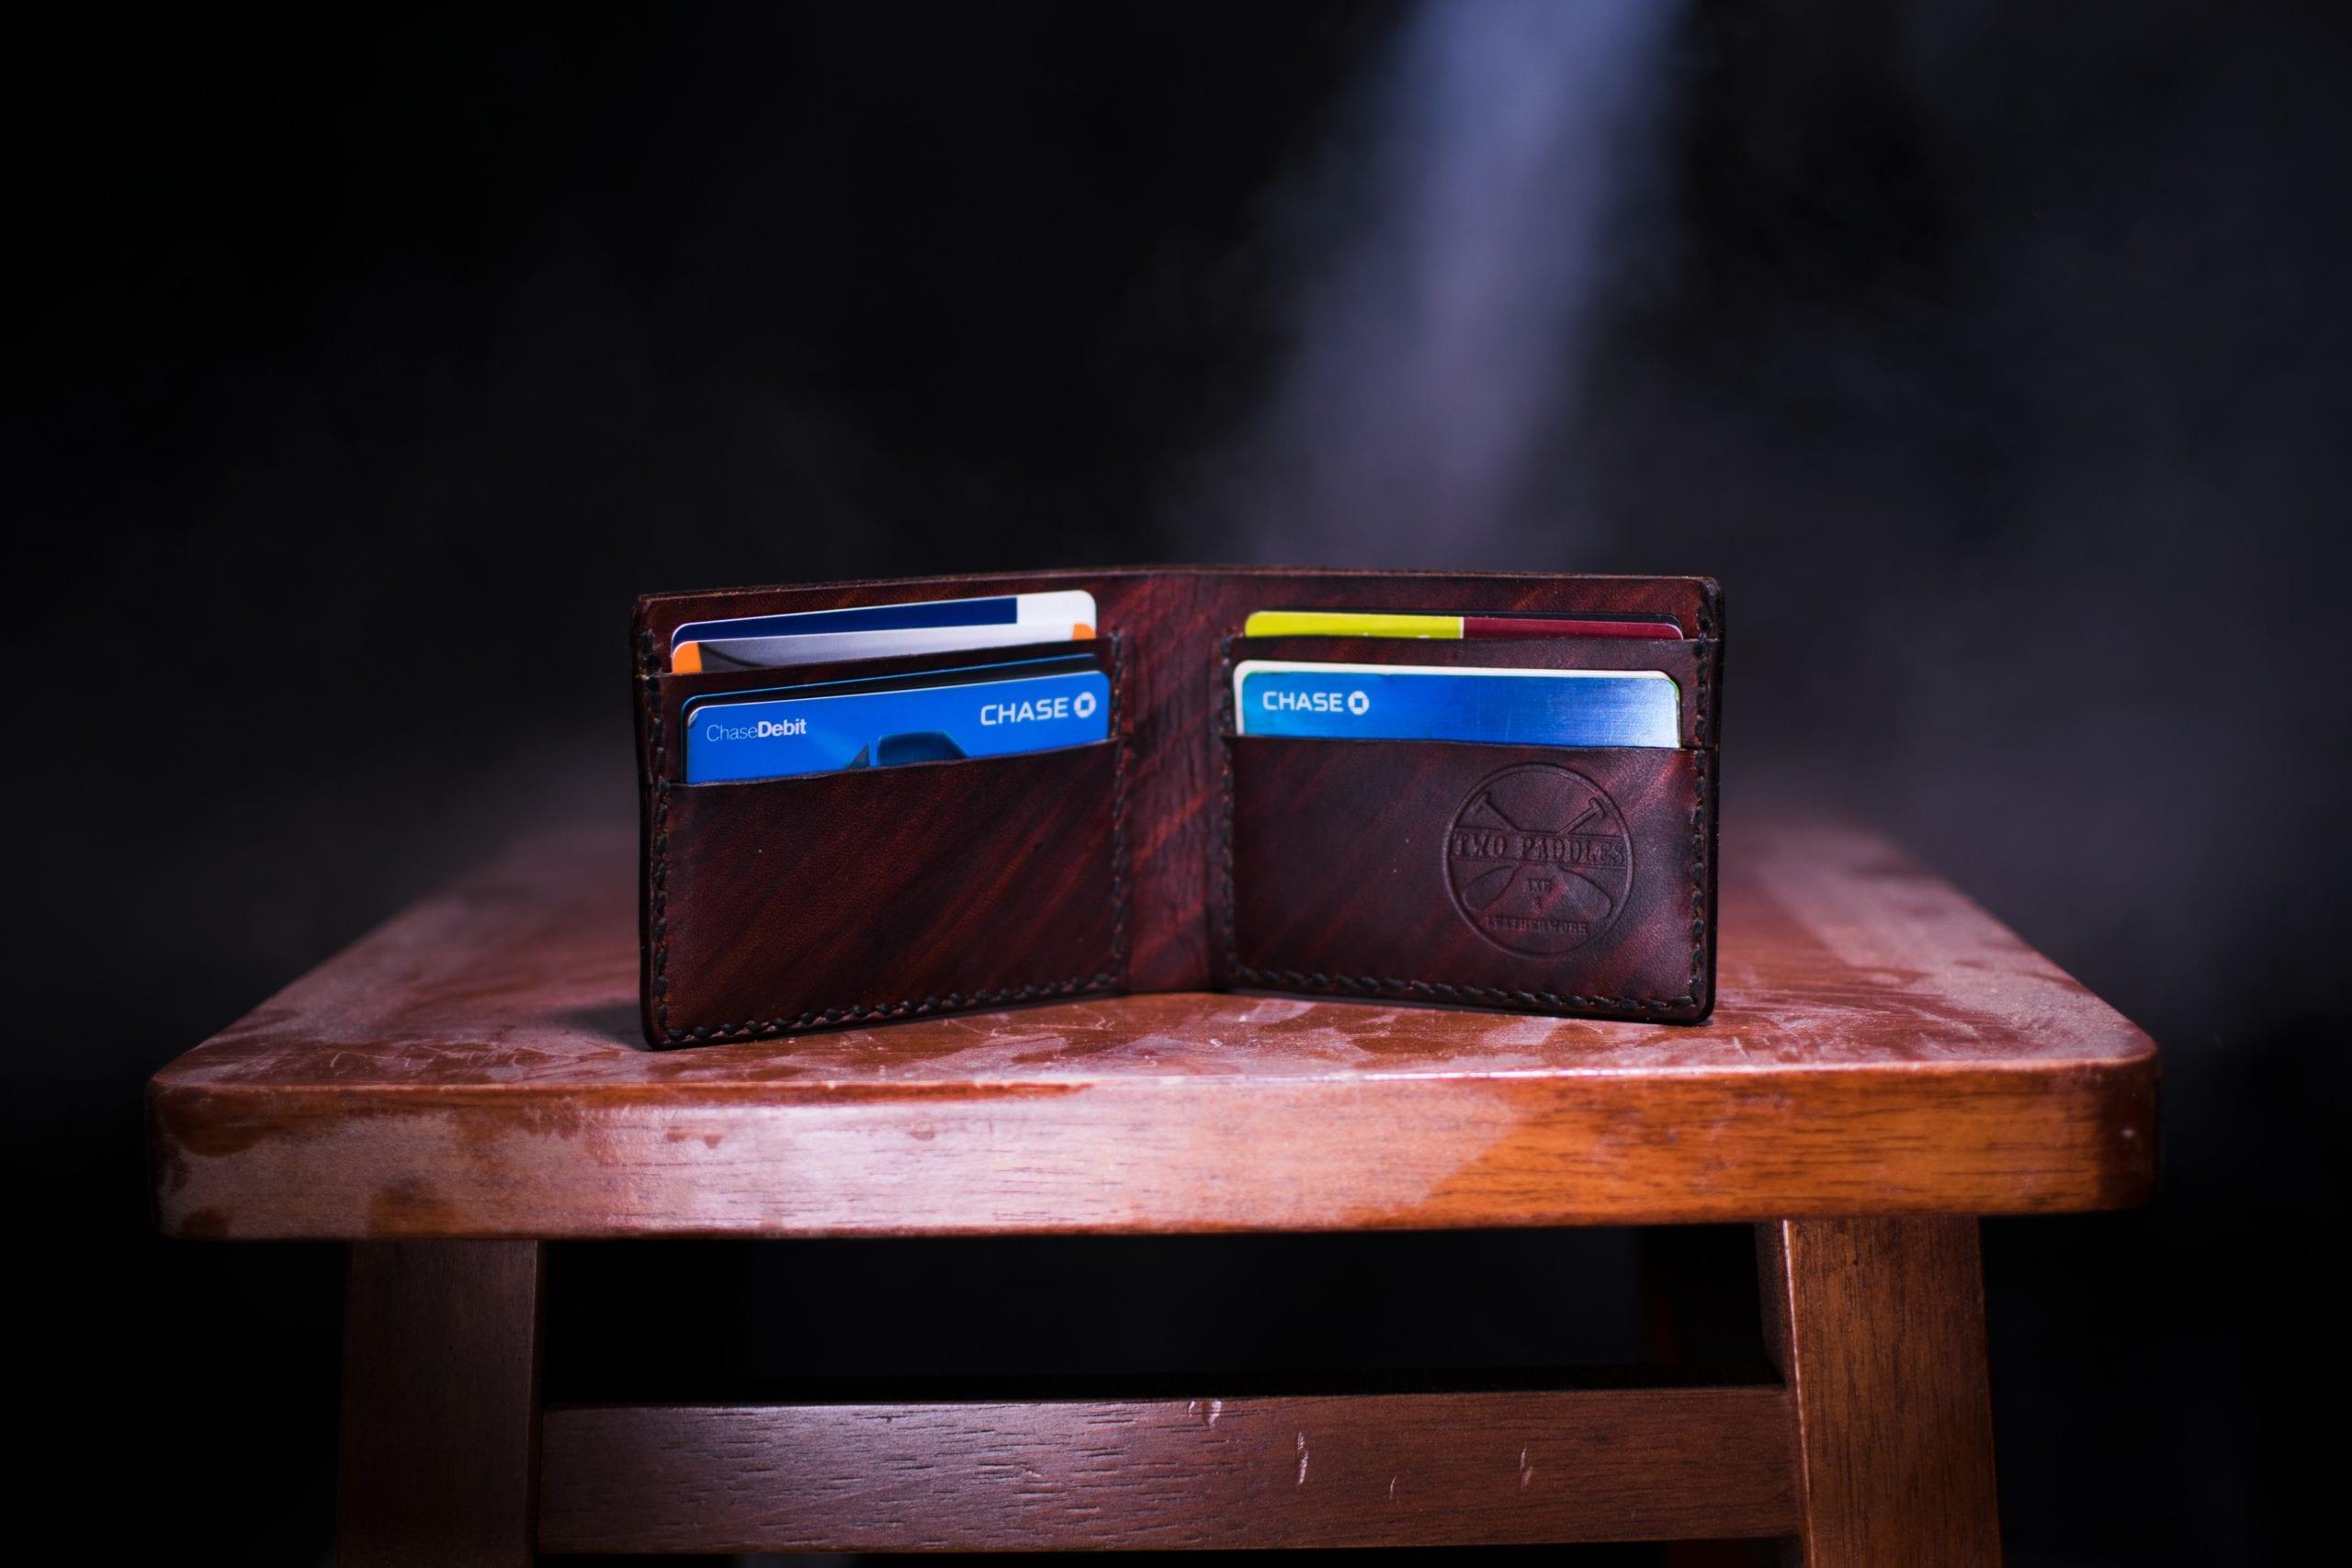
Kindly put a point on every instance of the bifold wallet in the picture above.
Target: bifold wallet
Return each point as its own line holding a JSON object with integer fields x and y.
{"x": 1178, "y": 855}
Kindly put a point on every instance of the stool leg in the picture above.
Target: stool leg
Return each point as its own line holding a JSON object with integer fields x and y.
{"x": 1878, "y": 1326}
{"x": 440, "y": 1402}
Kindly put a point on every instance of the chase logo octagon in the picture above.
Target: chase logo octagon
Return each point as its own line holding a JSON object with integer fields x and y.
{"x": 1539, "y": 860}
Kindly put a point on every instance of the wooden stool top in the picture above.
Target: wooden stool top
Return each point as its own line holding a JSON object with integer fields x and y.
{"x": 472, "y": 1068}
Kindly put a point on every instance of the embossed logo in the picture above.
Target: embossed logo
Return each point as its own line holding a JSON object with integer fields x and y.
{"x": 1539, "y": 859}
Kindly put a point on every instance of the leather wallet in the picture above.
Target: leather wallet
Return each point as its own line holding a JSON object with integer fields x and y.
{"x": 1177, "y": 855}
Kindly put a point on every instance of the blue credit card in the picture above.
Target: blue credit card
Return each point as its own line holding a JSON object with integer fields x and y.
{"x": 816, "y": 730}
{"x": 1408, "y": 701}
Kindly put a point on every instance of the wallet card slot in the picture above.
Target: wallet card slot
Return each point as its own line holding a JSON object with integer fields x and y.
{"x": 1690, "y": 662}
{"x": 816, "y": 899}
{"x": 1694, "y": 604}
{"x": 659, "y": 615}
{"x": 1541, "y": 878}
{"x": 845, "y": 897}
{"x": 669, "y": 694}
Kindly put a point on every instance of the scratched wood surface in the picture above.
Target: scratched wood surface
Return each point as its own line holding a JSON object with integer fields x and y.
{"x": 1365, "y": 1470}
{"x": 472, "y": 1069}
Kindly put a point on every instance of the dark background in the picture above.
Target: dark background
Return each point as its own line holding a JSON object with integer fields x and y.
{"x": 1992, "y": 355}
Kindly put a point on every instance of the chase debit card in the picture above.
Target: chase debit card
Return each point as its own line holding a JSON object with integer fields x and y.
{"x": 813, "y": 730}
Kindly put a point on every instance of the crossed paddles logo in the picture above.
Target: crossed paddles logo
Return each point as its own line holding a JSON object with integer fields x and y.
{"x": 1539, "y": 860}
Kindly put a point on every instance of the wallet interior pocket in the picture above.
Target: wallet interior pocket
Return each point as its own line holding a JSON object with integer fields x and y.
{"x": 773, "y": 905}
{"x": 666, "y": 751}
{"x": 1540, "y": 878}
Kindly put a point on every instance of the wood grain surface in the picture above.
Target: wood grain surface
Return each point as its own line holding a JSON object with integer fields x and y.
{"x": 472, "y": 1069}
{"x": 1878, "y": 1327}
{"x": 440, "y": 1404}
{"x": 1354, "y": 1470}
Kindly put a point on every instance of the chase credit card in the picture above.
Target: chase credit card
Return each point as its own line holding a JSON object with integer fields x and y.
{"x": 817, "y": 729}
{"x": 1402, "y": 702}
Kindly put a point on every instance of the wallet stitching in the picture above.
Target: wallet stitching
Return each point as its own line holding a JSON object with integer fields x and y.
{"x": 1291, "y": 979}
{"x": 660, "y": 889}
{"x": 914, "y": 1007}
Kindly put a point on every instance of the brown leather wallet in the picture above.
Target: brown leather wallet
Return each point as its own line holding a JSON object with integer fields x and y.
{"x": 1177, "y": 855}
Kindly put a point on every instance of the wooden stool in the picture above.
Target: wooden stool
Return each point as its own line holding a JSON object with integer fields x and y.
{"x": 466, "y": 1084}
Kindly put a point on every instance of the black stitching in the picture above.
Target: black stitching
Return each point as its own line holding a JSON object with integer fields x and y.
{"x": 659, "y": 924}
{"x": 1699, "y": 823}
{"x": 1118, "y": 964}
{"x": 1229, "y": 723}
{"x": 1104, "y": 979}
{"x": 913, "y": 1008}
{"x": 1294, "y": 979}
